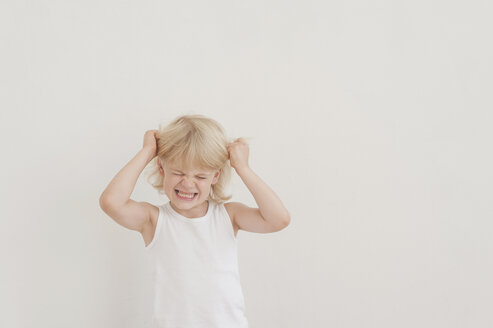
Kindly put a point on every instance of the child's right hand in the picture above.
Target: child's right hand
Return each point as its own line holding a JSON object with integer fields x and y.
{"x": 150, "y": 141}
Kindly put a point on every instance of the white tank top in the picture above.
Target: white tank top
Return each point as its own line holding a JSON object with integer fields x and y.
{"x": 195, "y": 269}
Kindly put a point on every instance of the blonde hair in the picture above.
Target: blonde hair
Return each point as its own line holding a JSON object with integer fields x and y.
{"x": 193, "y": 141}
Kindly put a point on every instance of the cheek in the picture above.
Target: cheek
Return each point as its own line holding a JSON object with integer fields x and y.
{"x": 205, "y": 186}
{"x": 169, "y": 182}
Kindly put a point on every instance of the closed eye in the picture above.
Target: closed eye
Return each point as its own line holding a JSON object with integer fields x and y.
{"x": 180, "y": 174}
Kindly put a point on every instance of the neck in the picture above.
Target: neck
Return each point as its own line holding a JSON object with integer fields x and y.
{"x": 194, "y": 212}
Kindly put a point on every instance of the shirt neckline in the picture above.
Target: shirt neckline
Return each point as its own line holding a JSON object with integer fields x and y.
{"x": 191, "y": 220}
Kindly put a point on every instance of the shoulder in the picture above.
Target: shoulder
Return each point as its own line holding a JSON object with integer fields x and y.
{"x": 149, "y": 227}
{"x": 232, "y": 208}
{"x": 153, "y": 212}
{"x": 238, "y": 212}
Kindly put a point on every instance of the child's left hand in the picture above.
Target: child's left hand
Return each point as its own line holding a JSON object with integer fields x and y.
{"x": 238, "y": 154}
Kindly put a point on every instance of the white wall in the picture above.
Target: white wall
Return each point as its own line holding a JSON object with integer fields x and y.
{"x": 371, "y": 120}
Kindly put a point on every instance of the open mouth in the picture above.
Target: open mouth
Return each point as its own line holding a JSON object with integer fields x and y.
{"x": 185, "y": 196}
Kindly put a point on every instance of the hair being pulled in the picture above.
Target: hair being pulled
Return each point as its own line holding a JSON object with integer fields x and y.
{"x": 193, "y": 141}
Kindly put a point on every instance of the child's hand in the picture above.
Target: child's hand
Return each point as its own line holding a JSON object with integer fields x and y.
{"x": 150, "y": 141}
{"x": 238, "y": 154}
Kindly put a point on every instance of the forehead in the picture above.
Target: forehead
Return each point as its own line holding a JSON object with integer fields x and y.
{"x": 176, "y": 166}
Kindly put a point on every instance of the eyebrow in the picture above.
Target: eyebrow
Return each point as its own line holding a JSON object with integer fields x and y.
{"x": 200, "y": 173}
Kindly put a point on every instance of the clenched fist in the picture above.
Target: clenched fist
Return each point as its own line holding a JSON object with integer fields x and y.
{"x": 150, "y": 141}
{"x": 238, "y": 154}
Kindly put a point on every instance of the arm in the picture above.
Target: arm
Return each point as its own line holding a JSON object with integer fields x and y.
{"x": 115, "y": 199}
{"x": 271, "y": 215}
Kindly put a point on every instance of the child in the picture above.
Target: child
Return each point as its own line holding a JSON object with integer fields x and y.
{"x": 192, "y": 238}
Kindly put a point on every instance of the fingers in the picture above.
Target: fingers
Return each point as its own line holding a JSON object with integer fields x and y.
{"x": 154, "y": 133}
{"x": 242, "y": 140}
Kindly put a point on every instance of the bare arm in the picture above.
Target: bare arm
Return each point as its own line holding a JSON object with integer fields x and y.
{"x": 270, "y": 206}
{"x": 271, "y": 215}
{"x": 115, "y": 199}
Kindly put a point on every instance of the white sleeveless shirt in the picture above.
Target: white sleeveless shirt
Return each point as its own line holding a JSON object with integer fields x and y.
{"x": 195, "y": 269}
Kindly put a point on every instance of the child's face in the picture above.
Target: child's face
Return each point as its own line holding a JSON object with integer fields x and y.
{"x": 187, "y": 189}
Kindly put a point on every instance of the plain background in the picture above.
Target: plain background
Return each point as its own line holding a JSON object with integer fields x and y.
{"x": 370, "y": 119}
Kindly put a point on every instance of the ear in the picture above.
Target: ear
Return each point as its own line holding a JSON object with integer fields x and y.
{"x": 216, "y": 176}
{"x": 160, "y": 166}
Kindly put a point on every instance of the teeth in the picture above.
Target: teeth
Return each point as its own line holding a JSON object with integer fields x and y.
{"x": 186, "y": 195}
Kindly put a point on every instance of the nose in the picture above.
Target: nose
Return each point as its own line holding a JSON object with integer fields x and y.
{"x": 187, "y": 182}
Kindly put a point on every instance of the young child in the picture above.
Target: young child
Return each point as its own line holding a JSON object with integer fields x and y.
{"x": 192, "y": 238}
